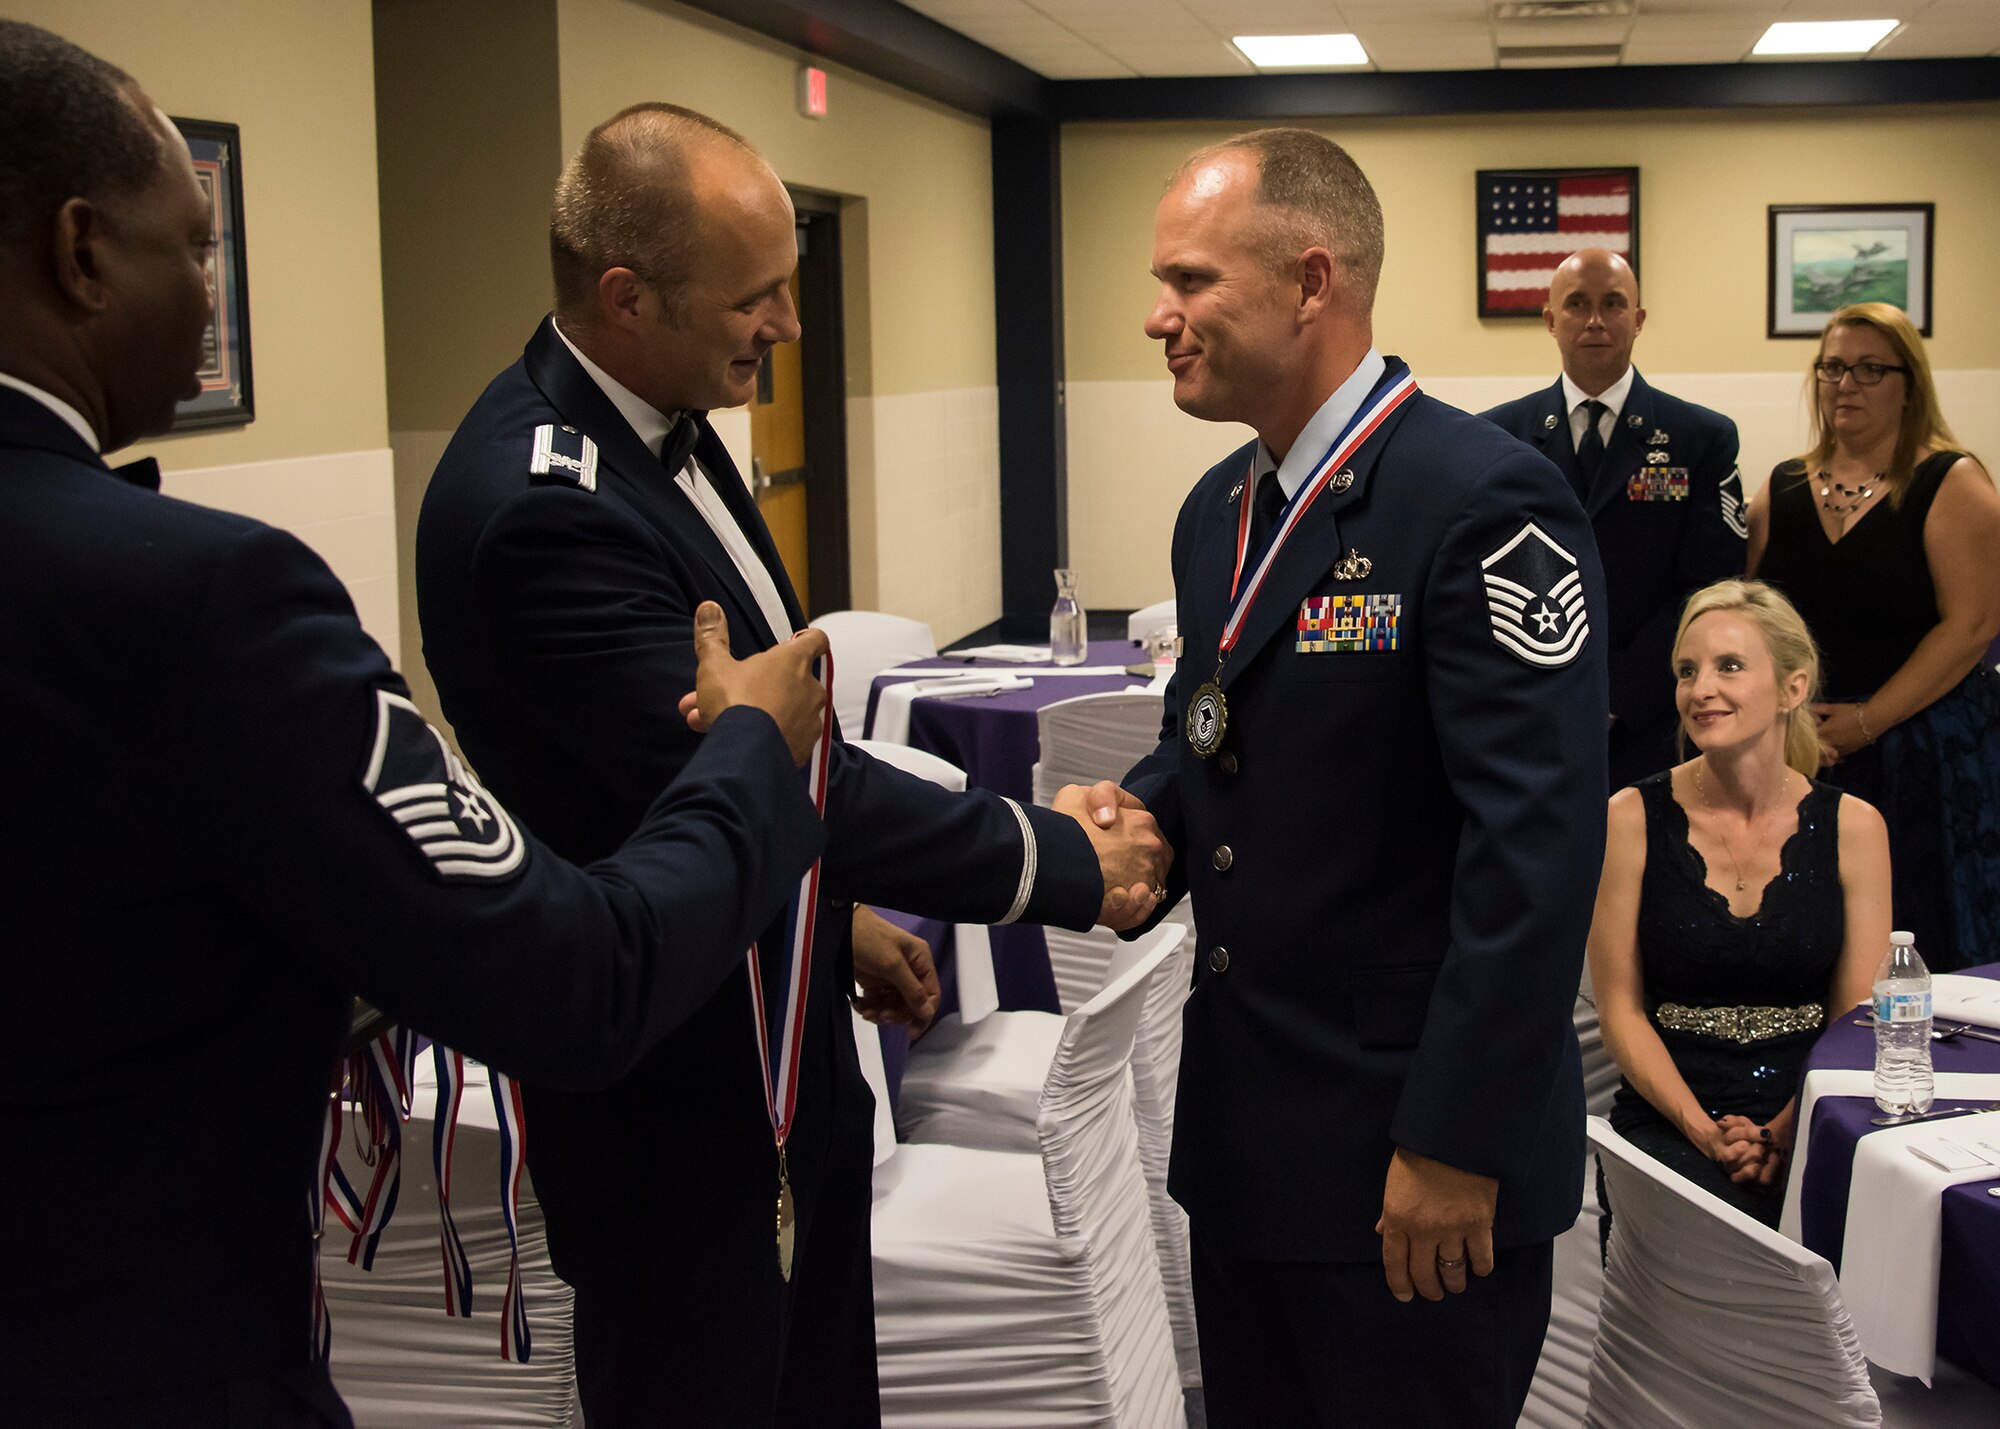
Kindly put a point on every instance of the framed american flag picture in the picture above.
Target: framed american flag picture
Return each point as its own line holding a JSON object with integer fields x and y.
{"x": 1529, "y": 220}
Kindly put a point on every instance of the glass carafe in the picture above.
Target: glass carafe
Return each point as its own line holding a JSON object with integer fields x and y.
{"x": 1067, "y": 626}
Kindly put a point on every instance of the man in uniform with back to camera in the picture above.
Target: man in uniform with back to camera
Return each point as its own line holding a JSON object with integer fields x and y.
{"x": 210, "y": 843}
{"x": 580, "y": 509}
{"x": 1383, "y": 762}
{"x": 1657, "y": 477}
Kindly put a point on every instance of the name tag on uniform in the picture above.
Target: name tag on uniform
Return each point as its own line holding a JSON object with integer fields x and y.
{"x": 1336, "y": 624}
{"x": 1658, "y": 483}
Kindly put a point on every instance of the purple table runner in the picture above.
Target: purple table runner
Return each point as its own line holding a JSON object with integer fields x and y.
{"x": 996, "y": 740}
{"x": 1969, "y": 1259}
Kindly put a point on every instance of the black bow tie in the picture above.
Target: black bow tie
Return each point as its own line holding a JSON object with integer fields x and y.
{"x": 679, "y": 445}
{"x": 144, "y": 472}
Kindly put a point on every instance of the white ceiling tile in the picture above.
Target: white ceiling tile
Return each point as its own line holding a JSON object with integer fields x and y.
{"x": 1684, "y": 52}
{"x": 1078, "y": 38}
{"x": 1854, "y": 9}
{"x": 1716, "y": 11}
{"x": 1938, "y": 39}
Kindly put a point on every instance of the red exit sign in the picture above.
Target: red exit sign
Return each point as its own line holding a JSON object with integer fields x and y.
{"x": 812, "y": 92}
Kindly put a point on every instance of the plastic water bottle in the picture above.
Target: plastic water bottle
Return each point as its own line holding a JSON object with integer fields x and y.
{"x": 1903, "y": 1029}
{"x": 1068, "y": 629}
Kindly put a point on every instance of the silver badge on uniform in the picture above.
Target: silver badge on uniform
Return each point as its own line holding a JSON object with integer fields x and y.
{"x": 433, "y": 798}
{"x": 1534, "y": 597}
{"x": 1733, "y": 514}
{"x": 564, "y": 451}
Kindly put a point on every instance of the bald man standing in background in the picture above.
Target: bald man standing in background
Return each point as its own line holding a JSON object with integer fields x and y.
{"x": 1656, "y": 475}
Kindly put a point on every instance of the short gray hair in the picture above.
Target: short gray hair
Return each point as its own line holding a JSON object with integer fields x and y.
{"x": 626, "y": 201}
{"x": 1314, "y": 195}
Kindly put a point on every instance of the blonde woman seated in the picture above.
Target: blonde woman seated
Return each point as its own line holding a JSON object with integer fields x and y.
{"x": 1742, "y": 904}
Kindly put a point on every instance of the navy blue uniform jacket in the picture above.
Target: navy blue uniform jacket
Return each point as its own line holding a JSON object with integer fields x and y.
{"x": 557, "y": 622}
{"x": 200, "y": 861}
{"x": 1389, "y": 948}
{"x": 1661, "y": 535}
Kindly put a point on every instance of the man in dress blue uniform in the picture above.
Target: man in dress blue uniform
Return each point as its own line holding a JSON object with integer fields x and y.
{"x": 581, "y": 508}
{"x": 1383, "y": 764}
{"x": 224, "y": 817}
{"x": 1657, "y": 477}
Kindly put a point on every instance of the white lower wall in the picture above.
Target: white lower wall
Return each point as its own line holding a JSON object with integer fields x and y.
{"x": 342, "y": 504}
{"x": 1133, "y": 454}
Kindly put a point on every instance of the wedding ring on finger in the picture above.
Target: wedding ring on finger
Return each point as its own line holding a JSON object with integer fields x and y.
{"x": 1159, "y": 893}
{"x": 1456, "y": 1264}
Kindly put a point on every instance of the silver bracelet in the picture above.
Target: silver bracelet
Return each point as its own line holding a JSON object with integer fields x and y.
{"x": 1861, "y": 718}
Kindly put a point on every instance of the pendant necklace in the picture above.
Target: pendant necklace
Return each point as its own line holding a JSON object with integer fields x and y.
{"x": 1837, "y": 498}
{"x": 1709, "y": 804}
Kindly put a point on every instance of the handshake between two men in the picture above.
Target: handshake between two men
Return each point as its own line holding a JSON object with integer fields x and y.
{"x": 893, "y": 967}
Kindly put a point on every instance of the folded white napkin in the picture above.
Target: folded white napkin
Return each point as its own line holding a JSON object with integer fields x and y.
{"x": 1957, "y": 998}
{"x": 892, "y": 706}
{"x": 1889, "y": 1259}
{"x": 1020, "y": 654}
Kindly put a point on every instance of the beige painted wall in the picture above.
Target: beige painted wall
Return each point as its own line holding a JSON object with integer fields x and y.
{"x": 1705, "y": 181}
{"x": 466, "y": 103}
{"x": 297, "y": 75}
{"x": 924, "y": 171}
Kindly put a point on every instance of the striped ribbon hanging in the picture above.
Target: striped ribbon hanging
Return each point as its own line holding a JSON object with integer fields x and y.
{"x": 515, "y": 1341}
{"x": 444, "y": 1142}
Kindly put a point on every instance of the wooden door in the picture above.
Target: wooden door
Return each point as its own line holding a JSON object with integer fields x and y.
{"x": 778, "y": 456}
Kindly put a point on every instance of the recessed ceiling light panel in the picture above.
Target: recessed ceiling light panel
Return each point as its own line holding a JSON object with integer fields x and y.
{"x": 1301, "y": 51}
{"x": 1824, "y": 37}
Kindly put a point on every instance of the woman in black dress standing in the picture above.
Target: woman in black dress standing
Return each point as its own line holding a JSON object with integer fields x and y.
{"x": 1742, "y": 904}
{"x": 1884, "y": 536}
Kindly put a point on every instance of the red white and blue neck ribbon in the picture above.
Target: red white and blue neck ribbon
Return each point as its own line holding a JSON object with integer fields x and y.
{"x": 515, "y": 1342}
{"x": 784, "y": 1027}
{"x": 1396, "y": 387}
{"x": 378, "y": 1079}
{"x": 444, "y": 1143}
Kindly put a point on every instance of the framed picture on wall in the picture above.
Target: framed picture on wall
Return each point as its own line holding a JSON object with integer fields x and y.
{"x": 1529, "y": 220}
{"x": 1825, "y": 256}
{"x": 226, "y": 398}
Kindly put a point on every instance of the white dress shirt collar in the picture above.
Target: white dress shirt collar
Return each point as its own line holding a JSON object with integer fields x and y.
{"x": 651, "y": 424}
{"x": 1613, "y": 397}
{"x": 1323, "y": 429}
{"x": 55, "y": 404}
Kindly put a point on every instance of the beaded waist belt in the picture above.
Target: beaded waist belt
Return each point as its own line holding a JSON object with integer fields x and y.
{"x": 1741, "y": 1024}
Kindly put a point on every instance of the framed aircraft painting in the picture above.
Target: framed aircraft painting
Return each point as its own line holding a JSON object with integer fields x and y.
{"x": 1825, "y": 256}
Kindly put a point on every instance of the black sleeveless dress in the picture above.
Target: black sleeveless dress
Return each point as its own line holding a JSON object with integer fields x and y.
{"x": 1738, "y": 1001}
{"x": 1868, "y": 599}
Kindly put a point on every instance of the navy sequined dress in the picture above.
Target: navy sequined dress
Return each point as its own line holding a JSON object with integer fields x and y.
{"x": 1765, "y": 978}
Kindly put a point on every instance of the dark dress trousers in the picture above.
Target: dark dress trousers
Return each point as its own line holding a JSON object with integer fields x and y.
{"x": 201, "y": 860}
{"x": 1668, "y": 510}
{"x": 557, "y": 616}
{"x": 1393, "y": 858}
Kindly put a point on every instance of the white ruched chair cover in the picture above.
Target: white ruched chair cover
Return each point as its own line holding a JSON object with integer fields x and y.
{"x": 398, "y": 1360}
{"x": 981, "y": 1087}
{"x": 865, "y": 643}
{"x": 1093, "y": 737}
{"x": 971, "y": 945}
{"x": 1710, "y": 1317}
{"x": 1015, "y": 1289}
{"x": 1561, "y": 1389}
